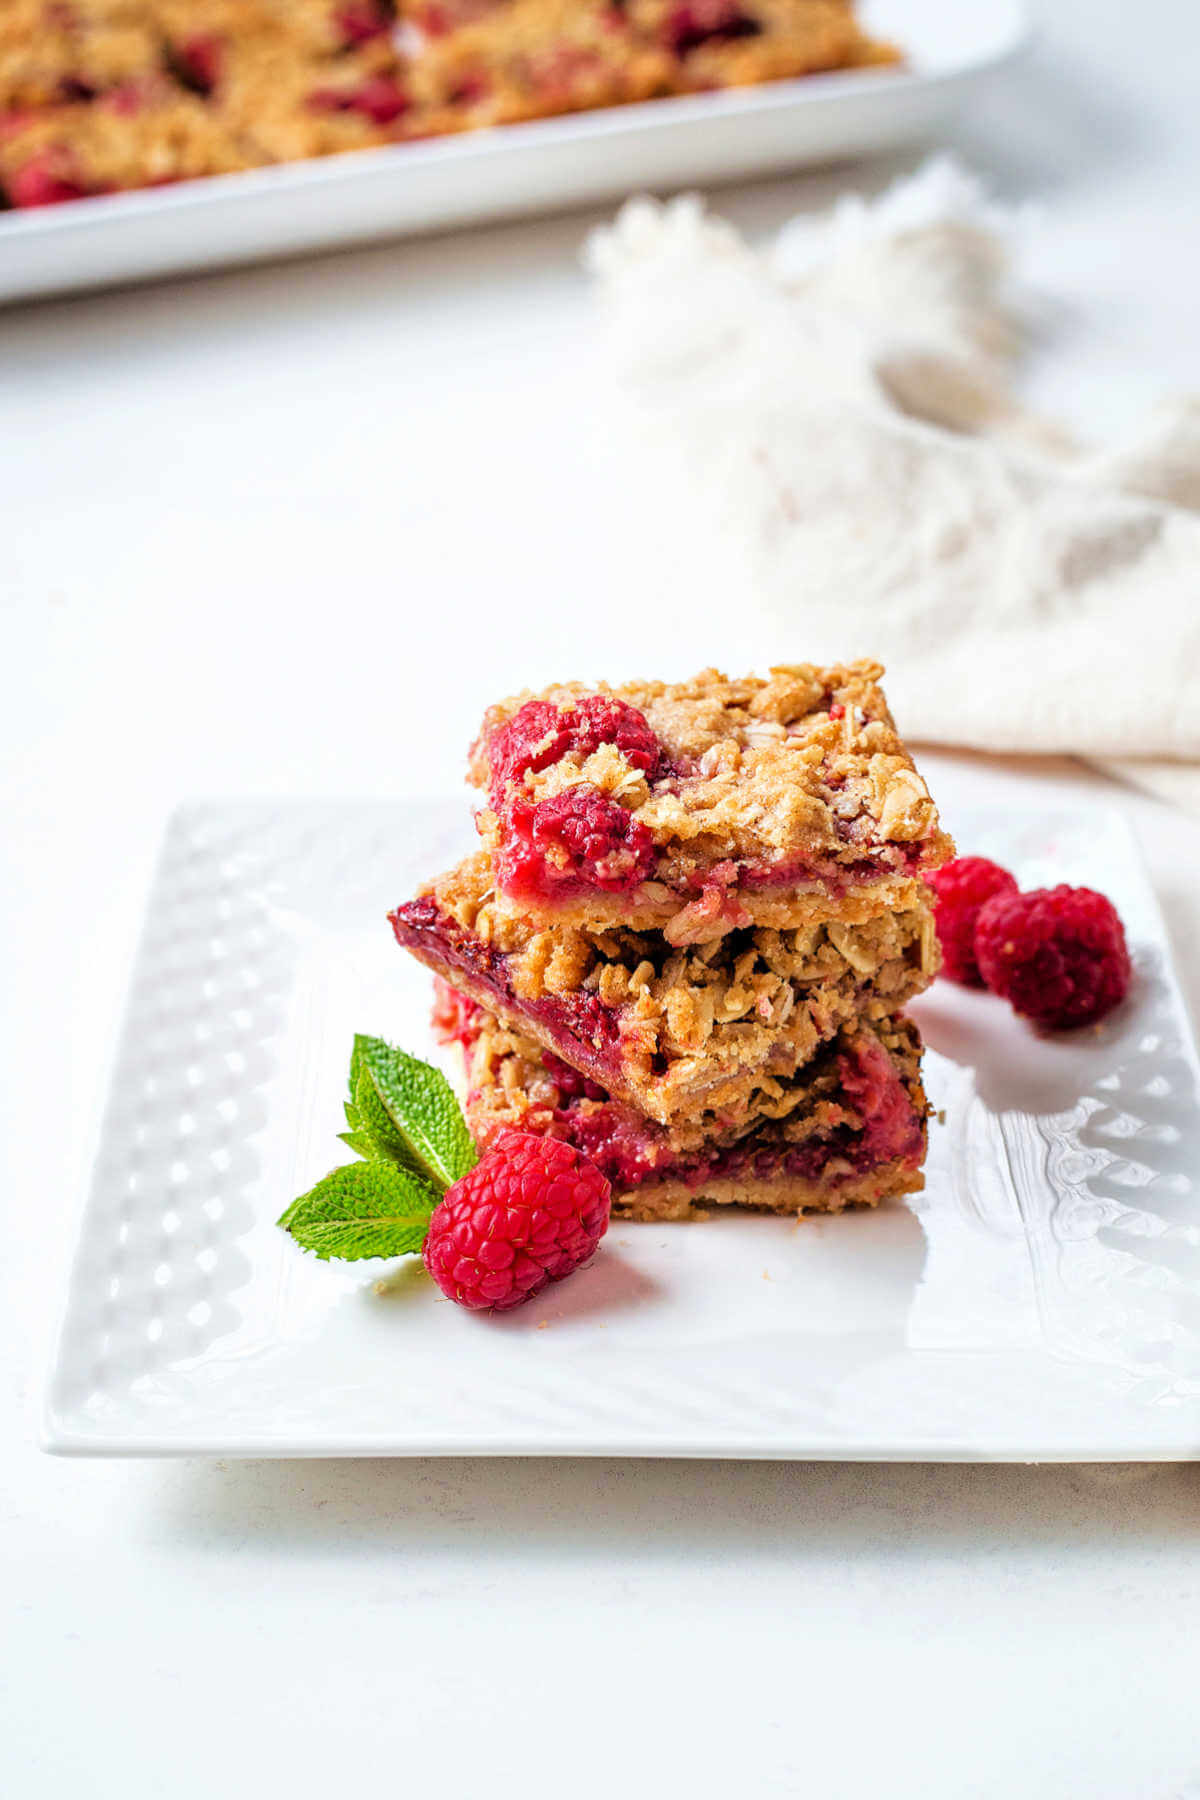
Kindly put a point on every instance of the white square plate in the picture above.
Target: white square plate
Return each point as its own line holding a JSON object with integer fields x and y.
{"x": 1040, "y": 1300}
{"x": 549, "y": 163}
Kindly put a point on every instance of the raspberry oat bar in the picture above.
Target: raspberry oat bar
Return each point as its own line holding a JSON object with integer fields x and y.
{"x": 848, "y": 1129}
{"x": 706, "y": 806}
{"x": 671, "y": 1029}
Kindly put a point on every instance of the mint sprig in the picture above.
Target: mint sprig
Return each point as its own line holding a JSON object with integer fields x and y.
{"x": 362, "y": 1209}
{"x": 409, "y": 1109}
{"x": 406, "y": 1125}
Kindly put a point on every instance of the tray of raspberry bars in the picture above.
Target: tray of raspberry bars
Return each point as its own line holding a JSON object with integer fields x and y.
{"x": 181, "y": 137}
{"x": 691, "y": 1094}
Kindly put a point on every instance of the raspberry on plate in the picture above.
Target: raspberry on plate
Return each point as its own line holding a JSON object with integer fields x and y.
{"x": 1057, "y": 954}
{"x": 962, "y": 887}
{"x": 530, "y": 1212}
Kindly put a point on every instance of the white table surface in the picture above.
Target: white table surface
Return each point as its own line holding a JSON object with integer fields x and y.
{"x": 283, "y": 532}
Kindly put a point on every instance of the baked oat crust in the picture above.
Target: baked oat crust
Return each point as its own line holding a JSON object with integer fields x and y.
{"x": 673, "y": 1201}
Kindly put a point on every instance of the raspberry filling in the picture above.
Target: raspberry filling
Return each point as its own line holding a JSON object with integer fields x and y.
{"x": 579, "y": 1022}
{"x": 47, "y": 179}
{"x": 199, "y": 60}
{"x": 540, "y": 733}
{"x": 360, "y": 20}
{"x": 379, "y": 98}
{"x": 436, "y": 20}
{"x": 471, "y": 89}
{"x": 455, "y": 1019}
{"x": 708, "y": 22}
{"x": 574, "y": 842}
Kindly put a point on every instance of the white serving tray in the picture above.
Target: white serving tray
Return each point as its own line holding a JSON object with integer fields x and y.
{"x": 551, "y": 163}
{"x": 1040, "y": 1300}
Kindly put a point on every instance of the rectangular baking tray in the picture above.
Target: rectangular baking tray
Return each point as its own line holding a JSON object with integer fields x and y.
{"x": 548, "y": 164}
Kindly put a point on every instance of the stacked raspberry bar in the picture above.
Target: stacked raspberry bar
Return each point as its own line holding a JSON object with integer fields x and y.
{"x": 686, "y": 942}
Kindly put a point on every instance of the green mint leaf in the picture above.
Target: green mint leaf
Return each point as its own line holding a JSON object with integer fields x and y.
{"x": 409, "y": 1109}
{"x": 364, "y": 1209}
{"x": 356, "y": 1058}
{"x": 359, "y": 1140}
{"x": 375, "y": 1121}
{"x": 361, "y": 1143}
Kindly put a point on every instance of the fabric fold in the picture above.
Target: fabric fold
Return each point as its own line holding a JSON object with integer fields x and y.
{"x": 845, "y": 408}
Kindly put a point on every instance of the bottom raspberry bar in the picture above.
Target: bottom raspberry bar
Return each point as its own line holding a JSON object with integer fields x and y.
{"x": 849, "y": 1130}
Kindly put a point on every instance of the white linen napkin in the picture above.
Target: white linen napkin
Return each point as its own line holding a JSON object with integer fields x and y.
{"x": 844, "y": 408}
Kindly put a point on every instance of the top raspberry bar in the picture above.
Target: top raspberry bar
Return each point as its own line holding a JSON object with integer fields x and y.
{"x": 707, "y": 805}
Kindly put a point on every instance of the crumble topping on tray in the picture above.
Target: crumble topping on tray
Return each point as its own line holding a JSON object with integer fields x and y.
{"x": 50, "y": 54}
{"x": 131, "y": 137}
{"x": 531, "y": 58}
{"x": 849, "y": 1128}
{"x": 670, "y": 1029}
{"x": 100, "y": 95}
{"x": 707, "y": 805}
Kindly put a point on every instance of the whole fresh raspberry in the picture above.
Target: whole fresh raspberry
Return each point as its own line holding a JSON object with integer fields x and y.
{"x": 529, "y": 1213}
{"x": 962, "y": 887}
{"x": 1058, "y": 954}
{"x": 540, "y": 733}
{"x": 574, "y": 840}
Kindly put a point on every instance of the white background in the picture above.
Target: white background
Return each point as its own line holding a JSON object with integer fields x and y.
{"x": 284, "y": 532}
